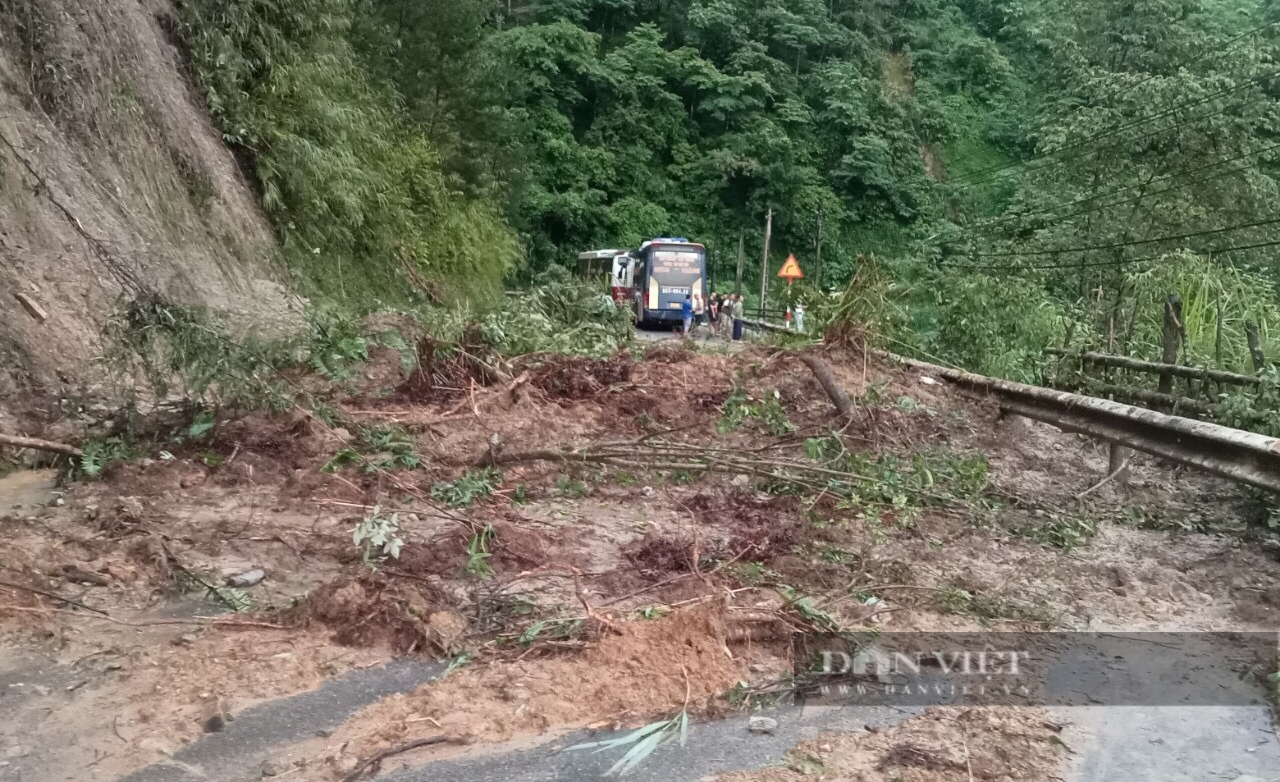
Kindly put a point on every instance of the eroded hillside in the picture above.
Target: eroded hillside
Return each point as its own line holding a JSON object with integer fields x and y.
{"x": 114, "y": 184}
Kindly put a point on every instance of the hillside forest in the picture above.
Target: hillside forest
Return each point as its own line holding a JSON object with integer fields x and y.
{"x": 1016, "y": 173}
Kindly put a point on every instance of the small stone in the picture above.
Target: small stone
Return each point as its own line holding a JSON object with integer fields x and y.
{"x": 41, "y": 690}
{"x": 762, "y": 724}
{"x": 249, "y": 578}
{"x": 871, "y": 728}
{"x": 324, "y": 733}
{"x": 214, "y": 715}
{"x": 130, "y": 508}
{"x": 16, "y": 751}
{"x": 741, "y": 479}
{"x": 759, "y": 667}
{"x": 272, "y": 769}
{"x": 647, "y": 491}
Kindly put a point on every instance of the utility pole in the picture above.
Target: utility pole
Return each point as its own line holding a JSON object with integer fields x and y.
{"x": 764, "y": 262}
{"x": 817, "y": 261}
{"x": 742, "y": 257}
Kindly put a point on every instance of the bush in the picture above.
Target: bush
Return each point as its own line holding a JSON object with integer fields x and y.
{"x": 559, "y": 314}
{"x": 994, "y": 326}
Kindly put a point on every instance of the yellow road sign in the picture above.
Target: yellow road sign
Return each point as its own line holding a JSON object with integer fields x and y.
{"x": 791, "y": 269}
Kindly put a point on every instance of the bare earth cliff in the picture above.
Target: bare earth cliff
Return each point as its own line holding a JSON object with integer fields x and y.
{"x": 113, "y": 182}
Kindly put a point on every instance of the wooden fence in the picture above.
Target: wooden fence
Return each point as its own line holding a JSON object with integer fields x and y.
{"x": 1182, "y": 389}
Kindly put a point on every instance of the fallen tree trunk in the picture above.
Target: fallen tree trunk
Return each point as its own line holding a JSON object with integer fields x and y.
{"x": 822, "y": 371}
{"x": 40, "y": 445}
{"x": 1155, "y": 368}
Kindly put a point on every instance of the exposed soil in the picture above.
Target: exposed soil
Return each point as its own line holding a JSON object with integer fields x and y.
{"x": 708, "y": 564}
{"x": 626, "y": 678}
{"x": 373, "y": 612}
{"x": 942, "y": 745}
{"x": 581, "y": 378}
{"x": 120, "y": 150}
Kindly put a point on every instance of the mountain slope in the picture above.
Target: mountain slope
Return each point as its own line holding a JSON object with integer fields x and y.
{"x": 114, "y": 183}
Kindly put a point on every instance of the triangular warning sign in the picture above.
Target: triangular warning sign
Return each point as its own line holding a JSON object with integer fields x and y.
{"x": 791, "y": 269}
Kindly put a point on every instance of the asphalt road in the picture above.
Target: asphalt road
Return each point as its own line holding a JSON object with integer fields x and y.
{"x": 259, "y": 733}
{"x": 1171, "y": 743}
{"x": 713, "y": 748}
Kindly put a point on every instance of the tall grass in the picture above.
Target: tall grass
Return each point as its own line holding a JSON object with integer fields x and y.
{"x": 1204, "y": 285}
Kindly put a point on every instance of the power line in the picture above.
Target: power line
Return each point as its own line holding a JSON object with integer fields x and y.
{"x": 968, "y": 182}
{"x": 1215, "y": 164}
{"x": 1121, "y": 262}
{"x": 1118, "y": 245}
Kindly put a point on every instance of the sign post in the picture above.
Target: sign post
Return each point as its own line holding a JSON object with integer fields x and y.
{"x": 790, "y": 272}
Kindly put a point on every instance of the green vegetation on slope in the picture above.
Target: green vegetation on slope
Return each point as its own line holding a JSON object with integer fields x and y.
{"x": 1008, "y": 161}
{"x": 356, "y": 191}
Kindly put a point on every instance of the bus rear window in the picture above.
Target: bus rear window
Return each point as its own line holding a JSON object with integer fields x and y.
{"x": 668, "y": 261}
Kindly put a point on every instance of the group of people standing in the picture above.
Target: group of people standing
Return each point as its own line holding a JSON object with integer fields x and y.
{"x": 722, "y": 312}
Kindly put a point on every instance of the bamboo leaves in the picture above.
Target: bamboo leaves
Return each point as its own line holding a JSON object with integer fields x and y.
{"x": 643, "y": 741}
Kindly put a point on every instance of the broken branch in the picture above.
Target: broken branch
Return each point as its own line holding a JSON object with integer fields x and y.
{"x": 374, "y": 760}
{"x": 201, "y": 621}
{"x": 51, "y": 596}
{"x": 40, "y": 445}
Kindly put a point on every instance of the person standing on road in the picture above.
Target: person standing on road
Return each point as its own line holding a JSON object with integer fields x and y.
{"x": 686, "y": 313}
{"x": 737, "y": 317}
{"x": 699, "y": 310}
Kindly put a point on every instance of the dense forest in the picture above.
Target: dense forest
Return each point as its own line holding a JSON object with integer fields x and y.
{"x": 1024, "y": 172}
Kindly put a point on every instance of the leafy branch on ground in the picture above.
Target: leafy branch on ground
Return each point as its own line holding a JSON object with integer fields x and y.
{"x": 643, "y": 741}
{"x": 464, "y": 492}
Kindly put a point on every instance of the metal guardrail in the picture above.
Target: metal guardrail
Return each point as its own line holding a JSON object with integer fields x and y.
{"x": 762, "y": 326}
{"x": 1246, "y": 457}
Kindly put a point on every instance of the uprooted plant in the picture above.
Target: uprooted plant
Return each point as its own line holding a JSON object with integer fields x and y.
{"x": 380, "y": 448}
{"x": 466, "y": 491}
{"x": 377, "y": 537}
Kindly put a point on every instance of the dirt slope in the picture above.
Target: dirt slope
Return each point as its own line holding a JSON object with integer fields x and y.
{"x": 112, "y": 180}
